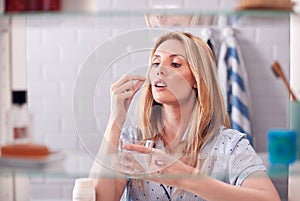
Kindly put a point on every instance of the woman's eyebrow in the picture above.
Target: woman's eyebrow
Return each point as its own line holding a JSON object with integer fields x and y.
{"x": 177, "y": 55}
{"x": 155, "y": 56}
{"x": 171, "y": 55}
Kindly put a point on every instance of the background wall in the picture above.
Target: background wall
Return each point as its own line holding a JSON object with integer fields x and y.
{"x": 58, "y": 46}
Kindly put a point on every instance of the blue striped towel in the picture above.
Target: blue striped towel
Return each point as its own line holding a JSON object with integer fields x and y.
{"x": 234, "y": 82}
{"x": 206, "y": 35}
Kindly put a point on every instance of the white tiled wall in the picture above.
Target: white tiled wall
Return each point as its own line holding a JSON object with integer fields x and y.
{"x": 58, "y": 46}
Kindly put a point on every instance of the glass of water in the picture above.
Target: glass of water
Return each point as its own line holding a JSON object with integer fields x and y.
{"x": 131, "y": 162}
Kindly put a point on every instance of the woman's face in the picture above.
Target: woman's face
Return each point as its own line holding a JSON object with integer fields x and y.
{"x": 168, "y": 21}
{"x": 171, "y": 79}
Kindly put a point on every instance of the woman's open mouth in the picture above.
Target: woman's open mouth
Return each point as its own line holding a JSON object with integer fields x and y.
{"x": 160, "y": 84}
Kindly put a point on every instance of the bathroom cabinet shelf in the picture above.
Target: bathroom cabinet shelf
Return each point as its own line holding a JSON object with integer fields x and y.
{"x": 73, "y": 165}
{"x": 77, "y": 164}
{"x": 133, "y": 13}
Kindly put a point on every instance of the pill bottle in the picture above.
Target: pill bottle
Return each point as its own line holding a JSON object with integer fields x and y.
{"x": 83, "y": 190}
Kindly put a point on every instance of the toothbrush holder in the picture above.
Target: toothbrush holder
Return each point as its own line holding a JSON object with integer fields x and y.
{"x": 295, "y": 123}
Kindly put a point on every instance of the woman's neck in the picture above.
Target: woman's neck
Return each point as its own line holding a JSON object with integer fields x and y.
{"x": 176, "y": 120}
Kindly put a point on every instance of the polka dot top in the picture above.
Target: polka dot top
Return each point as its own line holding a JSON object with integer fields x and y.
{"x": 227, "y": 156}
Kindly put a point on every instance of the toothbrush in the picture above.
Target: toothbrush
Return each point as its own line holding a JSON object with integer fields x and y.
{"x": 279, "y": 73}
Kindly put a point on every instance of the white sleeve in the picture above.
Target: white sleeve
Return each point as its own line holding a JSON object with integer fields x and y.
{"x": 243, "y": 162}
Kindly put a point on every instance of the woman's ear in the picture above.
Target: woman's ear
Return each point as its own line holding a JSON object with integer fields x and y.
{"x": 195, "y": 89}
{"x": 195, "y": 85}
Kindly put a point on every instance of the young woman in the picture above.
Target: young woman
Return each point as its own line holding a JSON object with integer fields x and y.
{"x": 182, "y": 111}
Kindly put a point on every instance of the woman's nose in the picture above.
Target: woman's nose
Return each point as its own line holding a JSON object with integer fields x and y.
{"x": 161, "y": 71}
{"x": 159, "y": 17}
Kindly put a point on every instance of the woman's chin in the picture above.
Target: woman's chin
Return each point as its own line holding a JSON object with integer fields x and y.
{"x": 166, "y": 100}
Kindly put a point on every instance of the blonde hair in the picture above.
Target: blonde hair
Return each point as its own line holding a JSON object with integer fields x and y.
{"x": 209, "y": 112}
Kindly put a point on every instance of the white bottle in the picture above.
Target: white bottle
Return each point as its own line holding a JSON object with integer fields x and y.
{"x": 83, "y": 190}
{"x": 20, "y": 119}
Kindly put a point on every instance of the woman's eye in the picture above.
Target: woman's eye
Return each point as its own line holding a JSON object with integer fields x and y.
{"x": 176, "y": 65}
{"x": 155, "y": 64}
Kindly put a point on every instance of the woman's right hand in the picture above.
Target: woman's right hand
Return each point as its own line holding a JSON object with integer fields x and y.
{"x": 122, "y": 93}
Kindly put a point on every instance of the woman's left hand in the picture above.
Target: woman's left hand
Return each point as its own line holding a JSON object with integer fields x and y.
{"x": 163, "y": 168}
